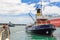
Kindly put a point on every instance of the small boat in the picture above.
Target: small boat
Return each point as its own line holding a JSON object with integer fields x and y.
{"x": 11, "y": 25}
{"x": 42, "y": 25}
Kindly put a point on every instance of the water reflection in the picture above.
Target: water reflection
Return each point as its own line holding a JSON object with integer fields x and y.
{"x": 40, "y": 37}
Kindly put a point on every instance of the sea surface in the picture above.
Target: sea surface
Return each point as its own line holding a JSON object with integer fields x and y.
{"x": 19, "y": 33}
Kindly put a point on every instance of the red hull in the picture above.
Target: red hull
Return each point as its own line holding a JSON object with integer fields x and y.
{"x": 55, "y": 22}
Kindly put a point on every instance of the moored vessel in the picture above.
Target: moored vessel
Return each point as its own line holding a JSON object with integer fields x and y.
{"x": 42, "y": 25}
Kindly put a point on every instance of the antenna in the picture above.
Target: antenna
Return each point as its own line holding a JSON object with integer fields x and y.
{"x": 41, "y": 6}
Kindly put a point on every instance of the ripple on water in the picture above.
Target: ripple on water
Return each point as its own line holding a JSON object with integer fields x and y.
{"x": 18, "y": 33}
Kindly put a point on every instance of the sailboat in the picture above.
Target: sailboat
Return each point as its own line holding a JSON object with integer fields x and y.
{"x": 42, "y": 25}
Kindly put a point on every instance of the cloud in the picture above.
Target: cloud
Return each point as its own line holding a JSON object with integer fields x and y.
{"x": 10, "y": 1}
{"x": 14, "y": 7}
{"x": 54, "y": 0}
{"x": 43, "y": 3}
{"x": 16, "y": 20}
{"x": 10, "y": 10}
{"x": 25, "y": 8}
{"x": 51, "y": 10}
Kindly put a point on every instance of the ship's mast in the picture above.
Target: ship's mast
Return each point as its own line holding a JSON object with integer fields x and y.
{"x": 39, "y": 11}
{"x": 39, "y": 16}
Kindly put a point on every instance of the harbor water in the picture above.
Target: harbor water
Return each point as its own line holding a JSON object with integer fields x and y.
{"x": 19, "y": 33}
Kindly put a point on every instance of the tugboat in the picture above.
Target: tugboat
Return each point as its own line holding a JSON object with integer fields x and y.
{"x": 42, "y": 25}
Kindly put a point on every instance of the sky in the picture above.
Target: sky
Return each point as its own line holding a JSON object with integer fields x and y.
{"x": 17, "y": 11}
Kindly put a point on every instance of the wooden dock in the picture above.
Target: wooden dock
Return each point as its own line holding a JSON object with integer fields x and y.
{"x": 4, "y": 33}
